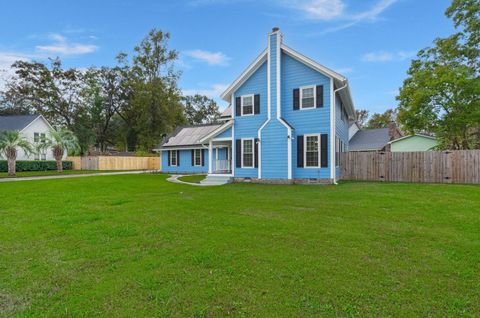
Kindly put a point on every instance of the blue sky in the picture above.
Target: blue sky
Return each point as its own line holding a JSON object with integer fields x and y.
{"x": 369, "y": 41}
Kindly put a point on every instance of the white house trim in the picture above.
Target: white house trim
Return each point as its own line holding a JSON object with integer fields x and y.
{"x": 31, "y": 123}
{"x": 314, "y": 106}
{"x": 332, "y": 132}
{"x": 253, "y": 104}
{"x": 217, "y": 131}
{"x": 410, "y": 136}
{"x": 319, "y": 140}
{"x": 253, "y": 152}
{"x": 244, "y": 76}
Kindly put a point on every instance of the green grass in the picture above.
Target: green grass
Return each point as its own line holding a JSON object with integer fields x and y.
{"x": 49, "y": 173}
{"x": 193, "y": 178}
{"x": 136, "y": 246}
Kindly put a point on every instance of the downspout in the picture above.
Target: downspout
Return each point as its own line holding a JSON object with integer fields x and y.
{"x": 334, "y": 108}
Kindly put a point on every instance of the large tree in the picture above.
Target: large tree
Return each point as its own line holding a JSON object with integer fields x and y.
{"x": 200, "y": 109}
{"x": 381, "y": 120}
{"x": 442, "y": 92}
{"x": 362, "y": 117}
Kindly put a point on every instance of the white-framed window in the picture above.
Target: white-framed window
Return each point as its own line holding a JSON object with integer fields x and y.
{"x": 311, "y": 151}
{"x": 197, "y": 157}
{"x": 39, "y": 137}
{"x": 36, "y": 156}
{"x": 308, "y": 97}
{"x": 248, "y": 152}
{"x": 173, "y": 158}
{"x": 247, "y": 105}
{"x": 43, "y": 156}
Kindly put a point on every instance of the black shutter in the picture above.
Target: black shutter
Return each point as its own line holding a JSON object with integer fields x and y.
{"x": 193, "y": 157}
{"x": 256, "y": 103}
{"x": 238, "y": 152}
{"x": 203, "y": 157}
{"x": 300, "y": 151}
{"x": 178, "y": 157}
{"x": 296, "y": 99}
{"x": 319, "y": 96}
{"x": 256, "y": 152}
{"x": 324, "y": 151}
{"x": 169, "y": 153}
{"x": 238, "y": 106}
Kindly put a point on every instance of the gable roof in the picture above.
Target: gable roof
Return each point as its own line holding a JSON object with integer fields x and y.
{"x": 16, "y": 122}
{"x": 186, "y": 136}
{"x": 415, "y": 135}
{"x": 227, "y": 112}
{"x": 369, "y": 140}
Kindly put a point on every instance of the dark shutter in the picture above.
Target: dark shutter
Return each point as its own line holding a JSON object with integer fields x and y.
{"x": 238, "y": 106}
{"x": 300, "y": 151}
{"x": 193, "y": 157}
{"x": 178, "y": 157}
{"x": 169, "y": 153}
{"x": 319, "y": 96}
{"x": 203, "y": 157}
{"x": 256, "y": 103}
{"x": 324, "y": 150}
{"x": 238, "y": 152}
{"x": 296, "y": 99}
{"x": 256, "y": 152}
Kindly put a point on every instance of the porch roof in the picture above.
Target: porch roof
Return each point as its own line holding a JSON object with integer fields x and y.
{"x": 186, "y": 136}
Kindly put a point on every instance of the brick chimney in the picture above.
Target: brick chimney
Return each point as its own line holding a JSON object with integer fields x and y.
{"x": 393, "y": 131}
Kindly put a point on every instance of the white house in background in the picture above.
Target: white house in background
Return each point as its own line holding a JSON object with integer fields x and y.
{"x": 33, "y": 127}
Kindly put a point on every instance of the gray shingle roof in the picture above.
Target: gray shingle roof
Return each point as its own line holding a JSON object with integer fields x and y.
{"x": 16, "y": 122}
{"x": 188, "y": 136}
{"x": 369, "y": 139}
{"x": 227, "y": 112}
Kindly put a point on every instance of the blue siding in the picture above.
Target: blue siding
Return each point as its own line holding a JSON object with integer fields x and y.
{"x": 247, "y": 126}
{"x": 295, "y": 74}
{"x": 185, "y": 163}
{"x": 274, "y": 151}
{"x": 341, "y": 129}
{"x": 226, "y": 134}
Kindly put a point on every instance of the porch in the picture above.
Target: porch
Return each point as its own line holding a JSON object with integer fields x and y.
{"x": 220, "y": 157}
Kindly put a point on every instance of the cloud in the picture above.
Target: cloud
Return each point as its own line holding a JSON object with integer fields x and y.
{"x": 212, "y": 92}
{"x": 323, "y": 9}
{"x": 211, "y": 58}
{"x": 385, "y": 56}
{"x": 62, "y": 46}
{"x": 344, "y": 70}
{"x": 6, "y": 61}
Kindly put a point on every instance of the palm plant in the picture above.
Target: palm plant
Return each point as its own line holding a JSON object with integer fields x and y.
{"x": 10, "y": 141}
{"x": 60, "y": 142}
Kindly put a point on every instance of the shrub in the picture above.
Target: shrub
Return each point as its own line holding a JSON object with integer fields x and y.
{"x": 35, "y": 165}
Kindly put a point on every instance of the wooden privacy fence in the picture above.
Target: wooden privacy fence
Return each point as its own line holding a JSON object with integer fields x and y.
{"x": 115, "y": 163}
{"x": 459, "y": 166}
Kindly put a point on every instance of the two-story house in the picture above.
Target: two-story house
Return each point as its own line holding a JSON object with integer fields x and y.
{"x": 287, "y": 122}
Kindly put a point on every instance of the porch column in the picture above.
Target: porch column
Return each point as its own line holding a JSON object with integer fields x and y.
{"x": 210, "y": 156}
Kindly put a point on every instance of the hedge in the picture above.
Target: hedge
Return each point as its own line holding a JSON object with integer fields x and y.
{"x": 35, "y": 165}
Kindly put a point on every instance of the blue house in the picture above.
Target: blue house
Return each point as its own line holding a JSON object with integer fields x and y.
{"x": 287, "y": 122}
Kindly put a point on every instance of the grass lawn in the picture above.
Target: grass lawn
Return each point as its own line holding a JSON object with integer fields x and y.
{"x": 136, "y": 245}
{"x": 193, "y": 178}
{"x": 49, "y": 173}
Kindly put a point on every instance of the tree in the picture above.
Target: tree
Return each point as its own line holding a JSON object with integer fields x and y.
{"x": 10, "y": 141}
{"x": 200, "y": 109}
{"x": 362, "y": 117}
{"x": 381, "y": 120}
{"x": 60, "y": 142}
{"x": 441, "y": 94}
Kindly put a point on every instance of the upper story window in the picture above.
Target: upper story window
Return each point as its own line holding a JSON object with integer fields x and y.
{"x": 39, "y": 137}
{"x": 247, "y": 153}
{"x": 312, "y": 151}
{"x": 307, "y": 97}
{"x": 197, "y": 157}
{"x": 247, "y": 105}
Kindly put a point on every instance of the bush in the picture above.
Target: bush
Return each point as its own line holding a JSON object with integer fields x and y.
{"x": 35, "y": 165}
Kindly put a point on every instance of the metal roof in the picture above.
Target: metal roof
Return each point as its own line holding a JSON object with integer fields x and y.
{"x": 227, "y": 112}
{"x": 188, "y": 136}
{"x": 16, "y": 122}
{"x": 369, "y": 139}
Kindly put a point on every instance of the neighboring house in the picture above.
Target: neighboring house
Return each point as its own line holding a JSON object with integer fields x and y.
{"x": 372, "y": 139}
{"x": 287, "y": 122}
{"x": 414, "y": 143}
{"x": 33, "y": 127}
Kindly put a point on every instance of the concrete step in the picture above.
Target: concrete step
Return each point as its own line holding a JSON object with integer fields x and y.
{"x": 216, "y": 180}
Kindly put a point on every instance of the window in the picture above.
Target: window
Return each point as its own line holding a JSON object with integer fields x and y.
{"x": 173, "y": 157}
{"x": 312, "y": 150}
{"x": 36, "y": 137}
{"x": 44, "y": 156}
{"x": 197, "y": 157}
{"x": 307, "y": 97}
{"x": 247, "y": 153}
{"x": 247, "y": 105}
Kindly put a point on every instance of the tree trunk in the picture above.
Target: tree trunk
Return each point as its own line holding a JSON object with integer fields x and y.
{"x": 11, "y": 167}
{"x": 58, "y": 155}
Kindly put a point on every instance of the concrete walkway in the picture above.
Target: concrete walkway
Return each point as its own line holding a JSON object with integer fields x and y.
{"x": 76, "y": 175}
{"x": 174, "y": 178}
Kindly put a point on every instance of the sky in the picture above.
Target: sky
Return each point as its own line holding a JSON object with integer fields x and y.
{"x": 371, "y": 42}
